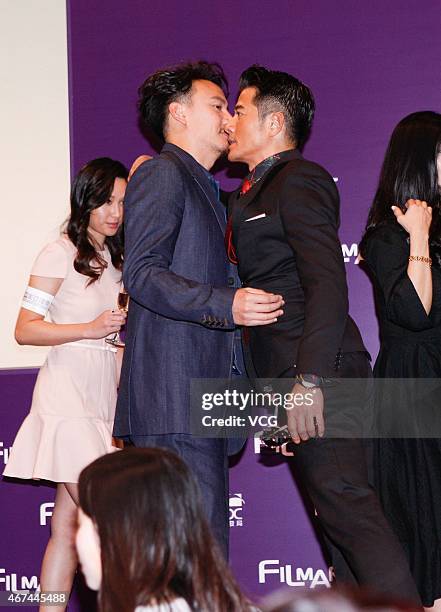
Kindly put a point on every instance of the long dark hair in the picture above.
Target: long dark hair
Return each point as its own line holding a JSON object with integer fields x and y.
{"x": 409, "y": 171}
{"x": 155, "y": 542}
{"x": 91, "y": 189}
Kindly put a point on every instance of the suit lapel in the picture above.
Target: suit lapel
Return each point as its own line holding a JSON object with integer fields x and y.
{"x": 238, "y": 203}
{"x": 246, "y": 199}
{"x": 215, "y": 205}
{"x": 201, "y": 180}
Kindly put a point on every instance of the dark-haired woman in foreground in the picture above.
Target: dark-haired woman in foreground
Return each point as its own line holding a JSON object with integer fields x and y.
{"x": 402, "y": 248}
{"x": 75, "y": 280}
{"x": 143, "y": 540}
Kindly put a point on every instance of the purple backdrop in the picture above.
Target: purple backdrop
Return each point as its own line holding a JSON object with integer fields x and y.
{"x": 368, "y": 66}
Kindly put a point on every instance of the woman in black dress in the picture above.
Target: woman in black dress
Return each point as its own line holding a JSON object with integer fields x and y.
{"x": 402, "y": 249}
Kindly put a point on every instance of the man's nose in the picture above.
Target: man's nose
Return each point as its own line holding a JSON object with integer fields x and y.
{"x": 229, "y": 125}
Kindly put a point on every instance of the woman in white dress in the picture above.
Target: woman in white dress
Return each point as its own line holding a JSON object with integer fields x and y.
{"x": 70, "y": 305}
{"x": 143, "y": 540}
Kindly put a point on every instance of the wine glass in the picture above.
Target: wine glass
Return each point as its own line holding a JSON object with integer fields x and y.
{"x": 123, "y": 306}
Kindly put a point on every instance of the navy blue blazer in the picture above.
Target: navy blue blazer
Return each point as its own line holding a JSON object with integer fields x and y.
{"x": 180, "y": 324}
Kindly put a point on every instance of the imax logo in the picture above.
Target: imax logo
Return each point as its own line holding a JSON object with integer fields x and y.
{"x": 295, "y": 578}
{"x": 46, "y": 512}
{"x": 4, "y": 452}
{"x": 12, "y": 584}
{"x": 350, "y": 251}
{"x": 260, "y": 447}
{"x": 236, "y": 504}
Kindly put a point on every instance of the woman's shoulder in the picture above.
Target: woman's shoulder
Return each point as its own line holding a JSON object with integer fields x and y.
{"x": 65, "y": 243}
{"x": 385, "y": 246}
{"x": 61, "y": 246}
{"x": 54, "y": 258}
{"x": 387, "y": 234}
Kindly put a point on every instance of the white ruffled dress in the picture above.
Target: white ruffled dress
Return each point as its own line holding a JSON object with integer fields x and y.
{"x": 73, "y": 405}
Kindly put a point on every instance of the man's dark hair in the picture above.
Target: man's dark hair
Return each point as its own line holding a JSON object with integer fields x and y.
{"x": 281, "y": 92}
{"x": 172, "y": 84}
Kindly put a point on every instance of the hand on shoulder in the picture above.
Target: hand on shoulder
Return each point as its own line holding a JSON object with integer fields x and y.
{"x": 138, "y": 161}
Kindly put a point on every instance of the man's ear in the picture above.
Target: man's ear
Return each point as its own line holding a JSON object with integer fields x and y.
{"x": 276, "y": 123}
{"x": 177, "y": 111}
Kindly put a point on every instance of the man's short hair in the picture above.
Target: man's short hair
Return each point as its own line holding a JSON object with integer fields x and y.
{"x": 173, "y": 84}
{"x": 281, "y": 92}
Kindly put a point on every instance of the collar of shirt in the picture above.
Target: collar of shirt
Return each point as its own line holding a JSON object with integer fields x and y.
{"x": 262, "y": 168}
{"x": 214, "y": 183}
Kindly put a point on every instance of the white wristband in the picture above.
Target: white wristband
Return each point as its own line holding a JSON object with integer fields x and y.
{"x": 36, "y": 300}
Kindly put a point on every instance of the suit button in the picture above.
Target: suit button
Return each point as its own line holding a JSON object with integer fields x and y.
{"x": 231, "y": 281}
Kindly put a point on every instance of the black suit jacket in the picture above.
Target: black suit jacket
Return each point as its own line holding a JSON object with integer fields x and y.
{"x": 294, "y": 250}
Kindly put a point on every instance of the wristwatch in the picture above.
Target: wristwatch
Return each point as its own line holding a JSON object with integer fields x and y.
{"x": 309, "y": 381}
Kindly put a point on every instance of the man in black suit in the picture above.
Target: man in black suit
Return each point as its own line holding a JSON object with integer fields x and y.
{"x": 284, "y": 238}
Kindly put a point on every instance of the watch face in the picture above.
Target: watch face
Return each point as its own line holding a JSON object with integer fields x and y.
{"x": 310, "y": 380}
{"x": 307, "y": 384}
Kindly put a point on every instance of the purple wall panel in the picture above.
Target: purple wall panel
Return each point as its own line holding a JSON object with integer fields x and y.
{"x": 368, "y": 65}
{"x": 25, "y": 525}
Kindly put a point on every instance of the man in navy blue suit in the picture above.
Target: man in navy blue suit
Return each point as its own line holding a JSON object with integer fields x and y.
{"x": 185, "y": 301}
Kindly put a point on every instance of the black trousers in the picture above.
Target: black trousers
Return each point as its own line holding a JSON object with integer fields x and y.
{"x": 336, "y": 474}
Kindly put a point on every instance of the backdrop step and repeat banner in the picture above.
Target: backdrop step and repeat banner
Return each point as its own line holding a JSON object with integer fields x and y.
{"x": 368, "y": 65}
